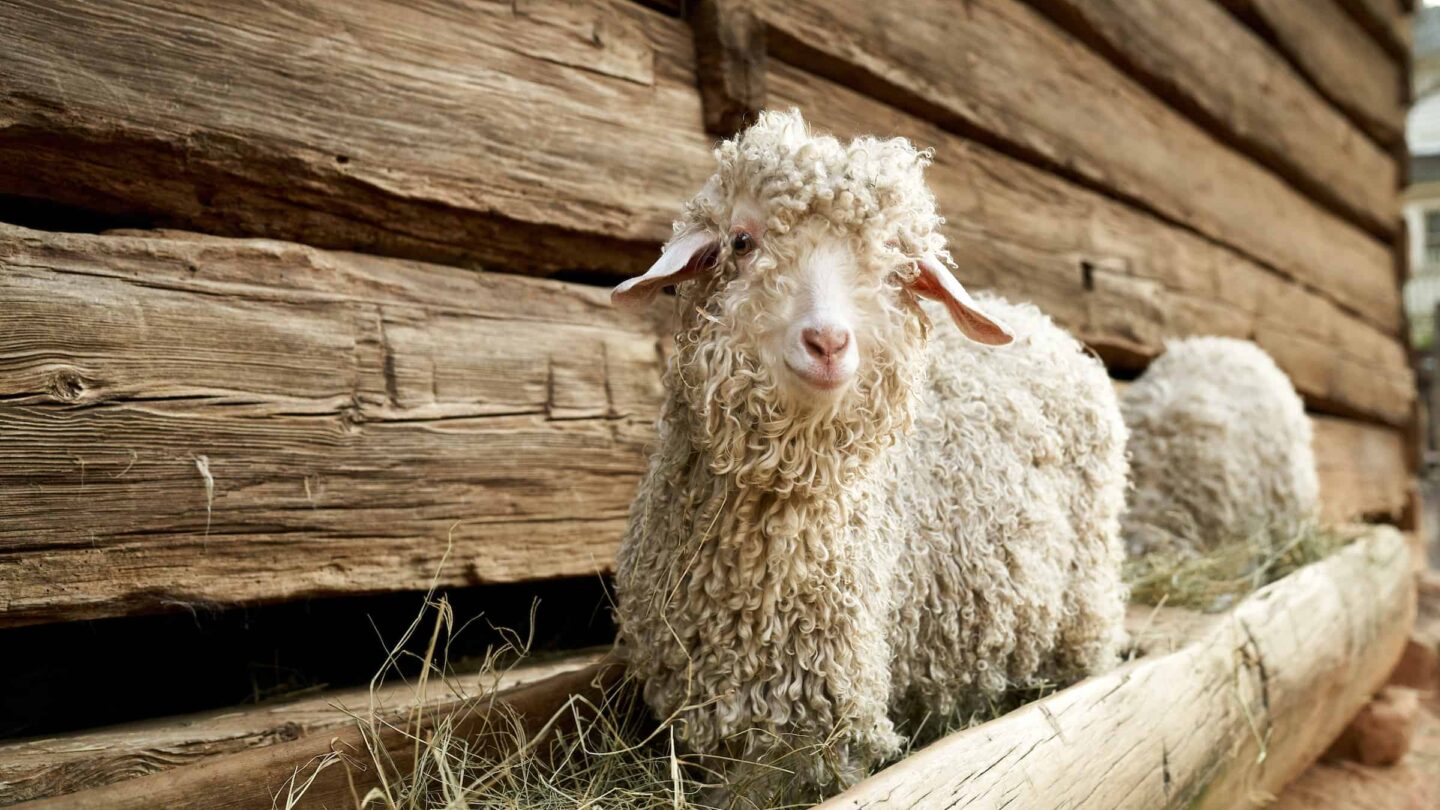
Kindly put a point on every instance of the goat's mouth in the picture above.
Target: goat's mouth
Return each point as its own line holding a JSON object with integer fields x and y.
{"x": 829, "y": 377}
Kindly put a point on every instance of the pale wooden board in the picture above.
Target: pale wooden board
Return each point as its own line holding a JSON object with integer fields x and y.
{"x": 1283, "y": 673}
{"x": 355, "y": 417}
{"x": 1122, "y": 280}
{"x": 1342, "y": 60}
{"x": 1001, "y": 69}
{"x": 539, "y": 135}
{"x": 1198, "y": 57}
{"x": 51, "y": 766}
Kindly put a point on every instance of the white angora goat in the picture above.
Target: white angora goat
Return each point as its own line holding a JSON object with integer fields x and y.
{"x": 1220, "y": 450}
{"x": 854, "y": 517}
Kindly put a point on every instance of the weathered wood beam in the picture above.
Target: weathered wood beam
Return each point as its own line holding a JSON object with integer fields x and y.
{"x": 1074, "y": 113}
{"x": 215, "y": 421}
{"x": 251, "y": 780}
{"x": 535, "y": 135}
{"x": 1388, "y": 21}
{"x": 1343, "y": 62}
{"x": 1363, "y": 470}
{"x": 39, "y": 768}
{"x": 730, "y": 63}
{"x": 1224, "y": 722}
{"x": 1212, "y": 67}
{"x": 572, "y": 133}
{"x": 219, "y": 421}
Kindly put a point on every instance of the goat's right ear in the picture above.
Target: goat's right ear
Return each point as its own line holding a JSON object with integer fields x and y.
{"x": 685, "y": 257}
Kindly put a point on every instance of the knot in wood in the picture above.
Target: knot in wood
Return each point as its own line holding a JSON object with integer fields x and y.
{"x": 66, "y": 384}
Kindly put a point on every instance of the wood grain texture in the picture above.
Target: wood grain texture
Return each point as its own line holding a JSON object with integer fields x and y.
{"x": 1388, "y": 21}
{"x": 251, "y": 779}
{"x": 537, "y": 135}
{"x": 1224, "y": 722}
{"x": 528, "y": 137}
{"x": 44, "y": 767}
{"x": 1363, "y": 470}
{"x": 1122, "y": 280}
{"x": 218, "y": 421}
{"x": 207, "y": 420}
{"x": 1212, "y": 67}
{"x": 1343, "y": 62}
{"x": 999, "y": 71}
{"x": 730, "y": 63}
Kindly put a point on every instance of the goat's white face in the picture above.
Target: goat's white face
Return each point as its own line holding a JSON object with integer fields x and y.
{"x": 817, "y": 343}
{"x": 815, "y": 304}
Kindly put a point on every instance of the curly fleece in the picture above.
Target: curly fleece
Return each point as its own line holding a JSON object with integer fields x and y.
{"x": 794, "y": 583}
{"x": 1220, "y": 448}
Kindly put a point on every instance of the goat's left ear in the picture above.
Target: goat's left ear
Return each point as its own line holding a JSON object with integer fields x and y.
{"x": 935, "y": 281}
{"x": 685, "y": 256}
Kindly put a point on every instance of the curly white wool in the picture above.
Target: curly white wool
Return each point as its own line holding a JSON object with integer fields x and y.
{"x": 802, "y": 581}
{"x": 1220, "y": 448}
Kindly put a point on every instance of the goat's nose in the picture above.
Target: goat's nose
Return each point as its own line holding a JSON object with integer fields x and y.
{"x": 825, "y": 343}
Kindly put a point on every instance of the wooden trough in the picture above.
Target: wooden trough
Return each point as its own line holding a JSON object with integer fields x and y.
{"x": 1218, "y": 711}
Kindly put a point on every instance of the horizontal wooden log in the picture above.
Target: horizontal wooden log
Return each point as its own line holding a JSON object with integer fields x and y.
{"x": 52, "y": 766}
{"x": 537, "y": 134}
{"x": 1363, "y": 470}
{"x": 205, "y": 420}
{"x": 1388, "y": 22}
{"x": 1001, "y": 72}
{"x": 251, "y": 780}
{"x": 554, "y": 148}
{"x": 219, "y": 421}
{"x": 1123, "y": 280}
{"x": 1224, "y": 722}
{"x": 1344, "y": 63}
{"x": 1211, "y": 66}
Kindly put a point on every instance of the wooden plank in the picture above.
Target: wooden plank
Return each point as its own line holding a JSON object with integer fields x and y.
{"x": 203, "y": 420}
{"x": 507, "y": 147}
{"x": 53, "y": 766}
{"x": 1388, "y": 22}
{"x": 197, "y": 421}
{"x": 1345, "y": 64}
{"x": 536, "y": 135}
{"x": 1120, "y": 279}
{"x": 1363, "y": 474}
{"x": 250, "y": 780}
{"x": 1209, "y": 65}
{"x": 1224, "y": 722}
{"x": 999, "y": 71}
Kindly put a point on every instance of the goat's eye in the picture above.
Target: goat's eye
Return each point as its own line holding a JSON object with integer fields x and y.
{"x": 742, "y": 243}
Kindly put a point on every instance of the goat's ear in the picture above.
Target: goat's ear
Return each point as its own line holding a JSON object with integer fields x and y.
{"x": 935, "y": 281}
{"x": 687, "y": 255}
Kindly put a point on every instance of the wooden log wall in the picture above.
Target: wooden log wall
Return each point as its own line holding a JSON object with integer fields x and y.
{"x": 330, "y": 353}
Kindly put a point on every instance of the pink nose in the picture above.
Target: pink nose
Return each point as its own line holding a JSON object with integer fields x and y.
{"x": 826, "y": 343}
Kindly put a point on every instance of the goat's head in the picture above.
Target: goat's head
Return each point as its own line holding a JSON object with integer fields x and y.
{"x": 797, "y": 268}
